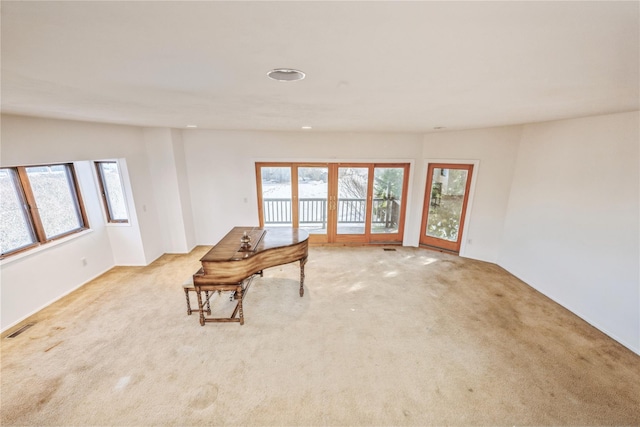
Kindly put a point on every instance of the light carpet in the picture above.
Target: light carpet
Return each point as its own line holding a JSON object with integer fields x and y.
{"x": 404, "y": 337}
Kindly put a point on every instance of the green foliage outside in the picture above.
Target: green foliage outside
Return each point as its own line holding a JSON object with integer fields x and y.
{"x": 445, "y": 207}
{"x": 444, "y": 220}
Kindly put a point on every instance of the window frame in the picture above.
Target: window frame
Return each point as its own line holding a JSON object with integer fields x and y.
{"x": 106, "y": 202}
{"x": 23, "y": 186}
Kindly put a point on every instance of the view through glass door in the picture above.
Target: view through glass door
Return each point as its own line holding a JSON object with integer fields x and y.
{"x": 301, "y": 202}
{"x": 335, "y": 203}
{"x": 313, "y": 205}
{"x": 352, "y": 203}
{"x": 276, "y": 190}
{"x": 445, "y": 205}
{"x": 389, "y": 186}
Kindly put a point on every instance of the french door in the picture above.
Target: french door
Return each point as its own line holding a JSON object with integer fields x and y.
{"x": 334, "y": 202}
{"x": 445, "y": 205}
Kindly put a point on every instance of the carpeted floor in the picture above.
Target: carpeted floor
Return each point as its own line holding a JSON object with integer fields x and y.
{"x": 405, "y": 337}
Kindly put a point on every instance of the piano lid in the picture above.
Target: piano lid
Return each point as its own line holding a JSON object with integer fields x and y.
{"x": 230, "y": 249}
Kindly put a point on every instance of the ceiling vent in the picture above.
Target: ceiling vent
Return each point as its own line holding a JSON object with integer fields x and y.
{"x": 286, "y": 74}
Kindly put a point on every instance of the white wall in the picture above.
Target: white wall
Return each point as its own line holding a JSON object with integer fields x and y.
{"x": 221, "y": 167}
{"x": 32, "y": 280}
{"x": 126, "y": 241}
{"x": 572, "y": 229}
{"x": 165, "y": 152}
{"x": 183, "y": 188}
{"x": 37, "y": 278}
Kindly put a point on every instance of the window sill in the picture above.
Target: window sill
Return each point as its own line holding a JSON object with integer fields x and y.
{"x": 118, "y": 224}
{"x": 44, "y": 247}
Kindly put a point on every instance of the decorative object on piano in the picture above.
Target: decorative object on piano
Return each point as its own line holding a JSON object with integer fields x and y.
{"x": 245, "y": 242}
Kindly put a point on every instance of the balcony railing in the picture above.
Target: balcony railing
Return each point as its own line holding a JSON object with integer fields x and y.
{"x": 314, "y": 211}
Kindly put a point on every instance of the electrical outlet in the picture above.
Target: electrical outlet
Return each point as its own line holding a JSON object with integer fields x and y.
{"x": 83, "y": 261}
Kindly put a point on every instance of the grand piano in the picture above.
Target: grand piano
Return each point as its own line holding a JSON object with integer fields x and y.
{"x": 244, "y": 252}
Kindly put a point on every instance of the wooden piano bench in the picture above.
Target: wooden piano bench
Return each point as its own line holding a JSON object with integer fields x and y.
{"x": 237, "y": 292}
{"x": 187, "y": 286}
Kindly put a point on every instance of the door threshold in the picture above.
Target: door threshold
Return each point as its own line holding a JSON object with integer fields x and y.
{"x": 435, "y": 248}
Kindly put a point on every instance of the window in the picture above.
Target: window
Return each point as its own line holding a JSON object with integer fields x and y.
{"x": 38, "y": 204}
{"x": 112, "y": 192}
{"x": 16, "y": 229}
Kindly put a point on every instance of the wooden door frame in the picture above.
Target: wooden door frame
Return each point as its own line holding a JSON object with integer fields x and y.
{"x": 293, "y": 166}
{"x": 258, "y": 179}
{"x": 472, "y": 168}
{"x": 332, "y": 199}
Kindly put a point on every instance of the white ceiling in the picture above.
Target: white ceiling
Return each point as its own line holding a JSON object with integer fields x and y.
{"x": 371, "y": 66}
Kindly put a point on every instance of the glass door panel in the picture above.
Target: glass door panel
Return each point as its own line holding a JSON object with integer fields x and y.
{"x": 388, "y": 187}
{"x": 276, "y": 196}
{"x": 445, "y": 205}
{"x": 334, "y": 202}
{"x": 353, "y": 188}
{"x": 313, "y": 194}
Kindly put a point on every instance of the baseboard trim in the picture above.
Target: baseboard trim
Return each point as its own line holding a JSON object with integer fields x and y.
{"x": 5, "y": 331}
{"x": 635, "y": 348}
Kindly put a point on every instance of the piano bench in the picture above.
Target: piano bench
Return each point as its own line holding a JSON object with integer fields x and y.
{"x": 238, "y": 291}
{"x": 187, "y": 286}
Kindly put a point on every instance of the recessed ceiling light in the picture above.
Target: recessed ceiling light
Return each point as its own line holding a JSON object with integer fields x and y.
{"x": 286, "y": 74}
{"x": 191, "y": 126}
{"x": 307, "y": 127}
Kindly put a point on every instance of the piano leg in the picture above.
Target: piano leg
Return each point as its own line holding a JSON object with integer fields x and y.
{"x": 240, "y": 307}
{"x": 303, "y": 261}
{"x": 238, "y": 310}
{"x": 186, "y": 294}
{"x": 200, "y": 306}
{"x": 206, "y": 294}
